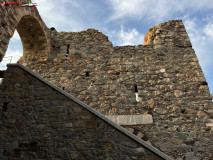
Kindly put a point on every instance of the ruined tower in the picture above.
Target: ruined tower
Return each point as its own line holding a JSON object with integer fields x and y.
{"x": 172, "y": 110}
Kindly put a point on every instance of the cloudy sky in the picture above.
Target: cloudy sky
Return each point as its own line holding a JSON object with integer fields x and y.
{"x": 126, "y": 22}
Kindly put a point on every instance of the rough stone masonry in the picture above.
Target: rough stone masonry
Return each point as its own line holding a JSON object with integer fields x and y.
{"x": 171, "y": 85}
{"x": 41, "y": 121}
{"x": 165, "y": 70}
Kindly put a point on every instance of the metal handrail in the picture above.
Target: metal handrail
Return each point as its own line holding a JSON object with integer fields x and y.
{"x": 10, "y": 58}
{"x": 1, "y": 80}
{"x": 3, "y": 66}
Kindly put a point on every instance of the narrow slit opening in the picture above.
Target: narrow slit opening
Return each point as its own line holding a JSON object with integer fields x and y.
{"x": 68, "y": 47}
{"x": 136, "y": 93}
{"x": 136, "y": 89}
{"x": 5, "y": 104}
{"x": 87, "y": 74}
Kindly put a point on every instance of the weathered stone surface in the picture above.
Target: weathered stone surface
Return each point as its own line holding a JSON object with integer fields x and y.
{"x": 161, "y": 110}
{"x": 161, "y": 36}
{"x": 191, "y": 156}
{"x": 209, "y": 124}
{"x": 190, "y": 111}
{"x": 178, "y": 93}
{"x": 176, "y": 141}
{"x": 44, "y": 123}
{"x": 210, "y": 113}
{"x": 202, "y": 114}
{"x": 131, "y": 119}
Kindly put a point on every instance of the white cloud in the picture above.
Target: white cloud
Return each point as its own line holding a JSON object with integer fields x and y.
{"x": 15, "y": 36}
{"x": 125, "y": 36}
{"x": 208, "y": 30}
{"x": 130, "y": 37}
{"x": 66, "y": 15}
{"x": 203, "y": 45}
{"x": 154, "y": 10}
{"x": 15, "y": 54}
{"x": 57, "y": 14}
{"x": 139, "y": 9}
{"x": 11, "y": 56}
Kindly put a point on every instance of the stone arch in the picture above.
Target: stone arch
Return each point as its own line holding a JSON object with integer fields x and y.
{"x": 32, "y": 30}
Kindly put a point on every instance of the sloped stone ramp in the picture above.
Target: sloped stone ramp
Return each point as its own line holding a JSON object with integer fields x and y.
{"x": 41, "y": 121}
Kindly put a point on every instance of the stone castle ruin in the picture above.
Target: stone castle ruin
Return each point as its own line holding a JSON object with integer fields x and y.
{"x": 75, "y": 96}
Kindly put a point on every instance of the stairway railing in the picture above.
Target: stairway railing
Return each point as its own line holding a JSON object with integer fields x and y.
{"x": 3, "y": 64}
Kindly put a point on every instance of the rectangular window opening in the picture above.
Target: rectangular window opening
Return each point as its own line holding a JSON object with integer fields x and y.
{"x": 136, "y": 89}
{"x": 68, "y": 46}
{"x": 5, "y": 104}
{"x": 136, "y": 93}
{"x": 87, "y": 74}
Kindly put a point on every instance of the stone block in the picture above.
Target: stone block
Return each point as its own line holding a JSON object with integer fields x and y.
{"x": 176, "y": 141}
{"x": 191, "y": 156}
{"x": 209, "y": 124}
{"x": 131, "y": 119}
{"x": 69, "y": 125}
{"x": 161, "y": 111}
{"x": 74, "y": 155}
{"x": 162, "y": 70}
{"x": 108, "y": 146}
{"x": 91, "y": 124}
{"x": 190, "y": 111}
{"x": 210, "y": 113}
{"x": 178, "y": 93}
{"x": 201, "y": 114}
{"x": 210, "y": 120}
{"x": 139, "y": 151}
{"x": 79, "y": 124}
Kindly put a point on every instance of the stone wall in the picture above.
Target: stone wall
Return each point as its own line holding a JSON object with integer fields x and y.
{"x": 41, "y": 121}
{"x": 171, "y": 85}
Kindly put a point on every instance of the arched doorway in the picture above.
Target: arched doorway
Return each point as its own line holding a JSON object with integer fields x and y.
{"x": 14, "y": 51}
{"x": 32, "y": 30}
{"x": 34, "y": 41}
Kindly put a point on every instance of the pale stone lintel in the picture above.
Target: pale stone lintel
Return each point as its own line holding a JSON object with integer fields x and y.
{"x": 131, "y": 119}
